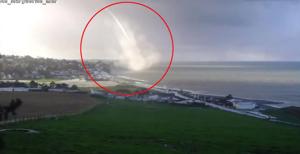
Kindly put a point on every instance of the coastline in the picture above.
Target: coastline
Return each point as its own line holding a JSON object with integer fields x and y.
{"x": 268, "y": 102}
{"x": 143, "y": 83}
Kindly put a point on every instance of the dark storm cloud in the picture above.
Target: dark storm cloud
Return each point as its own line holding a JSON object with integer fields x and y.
{"x": 225, "y": 30}
{"x": 203, "y": 29}
{"x": 235, "y": 30}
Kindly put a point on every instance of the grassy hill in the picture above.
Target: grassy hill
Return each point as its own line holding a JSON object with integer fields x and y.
{"x": 131, "y": 127}
{"x": 290, "y": 114}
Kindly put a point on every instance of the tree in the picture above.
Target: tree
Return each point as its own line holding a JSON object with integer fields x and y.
{"x": 62, "y": 86}
{"x": 44, "y": 87}
{"x": 52, "y": 84}
{"x": 33, "y": 84}
{"x": 228, "y": 97}
{"x": 74, "y": 87}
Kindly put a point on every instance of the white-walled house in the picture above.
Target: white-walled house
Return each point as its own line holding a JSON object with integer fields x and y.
{"x": 242, "y": 105}
{"x": 56, "y": 90}
{"x": 97, "y": 92}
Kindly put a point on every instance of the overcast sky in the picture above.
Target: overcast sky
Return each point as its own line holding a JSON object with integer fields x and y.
{"x": 245, "y": 30}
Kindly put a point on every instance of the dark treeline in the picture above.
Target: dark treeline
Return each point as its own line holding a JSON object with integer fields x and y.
{"x": 34, "y": 84}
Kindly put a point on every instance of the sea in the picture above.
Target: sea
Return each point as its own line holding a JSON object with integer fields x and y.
{"x": 273, "y": 81}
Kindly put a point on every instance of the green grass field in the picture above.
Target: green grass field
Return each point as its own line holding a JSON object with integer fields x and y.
{"x": 289, "y": 114}
{"x": 122, "y": 127}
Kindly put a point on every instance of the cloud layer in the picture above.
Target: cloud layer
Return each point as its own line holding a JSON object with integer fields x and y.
{"x": 203, "y": 30}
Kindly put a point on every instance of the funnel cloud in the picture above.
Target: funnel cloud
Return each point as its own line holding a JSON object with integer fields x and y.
{"x": 134, "y": 55}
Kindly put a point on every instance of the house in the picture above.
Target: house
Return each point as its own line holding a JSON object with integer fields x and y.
{"x": 56, "y": 90}
{"x": 36, "y": 89}
{"x": 188, "y": 101}
{"x": 242, "y": 105}
{"x": 151, "y": 98}
{"x": 95, "y": 92}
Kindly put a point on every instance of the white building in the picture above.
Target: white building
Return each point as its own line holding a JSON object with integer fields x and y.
{"x": 56, "y": 90}
{"x": 151, "y": 98}
{"x": 242, "y": 105}
{"x": 97, "y": 92}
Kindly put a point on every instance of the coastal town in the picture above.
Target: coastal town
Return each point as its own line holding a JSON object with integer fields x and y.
{"x": 174, "y": 96}
{"x": 29, "y": 68}
{"x": 185, "y": 97}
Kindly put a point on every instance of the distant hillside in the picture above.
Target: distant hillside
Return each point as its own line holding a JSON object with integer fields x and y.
{"x": 294, "y": 111}
{"x": 19, "y": 67}
{"x": 290, "y": 114}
